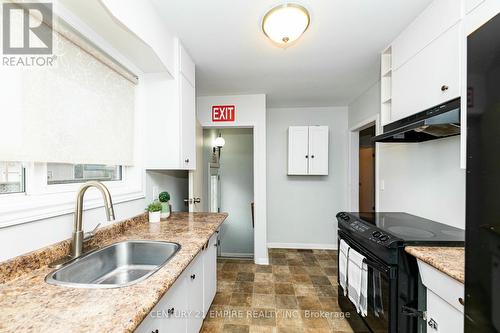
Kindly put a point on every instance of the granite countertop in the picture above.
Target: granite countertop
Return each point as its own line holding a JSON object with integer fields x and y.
{"x": 449, "y": 260}
{"x": 29, "y": 304}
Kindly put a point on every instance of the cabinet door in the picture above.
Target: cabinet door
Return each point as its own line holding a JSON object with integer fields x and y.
{"x": 430, "y": 78}
{"x": 167, "y": 315}
{"x": 318, "y": 150}
{"x": 441, "y": 316}
{"x": 470, "y": 5}
{"x": 188, "y": 124}
{"x": 298, "y": 138}
{"x": 209, "y": 273}
{"x": 194, "y": 283}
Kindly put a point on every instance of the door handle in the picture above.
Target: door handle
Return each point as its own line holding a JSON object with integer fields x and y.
{"x": 196, "y": 200}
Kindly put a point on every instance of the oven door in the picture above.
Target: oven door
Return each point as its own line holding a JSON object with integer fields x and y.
{"x": 382, "y": 288}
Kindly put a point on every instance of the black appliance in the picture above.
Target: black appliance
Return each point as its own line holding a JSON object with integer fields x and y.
{"x": 482, "y": 249}
{"x": 438, "y": 122}
{"x": 392, "y": 274}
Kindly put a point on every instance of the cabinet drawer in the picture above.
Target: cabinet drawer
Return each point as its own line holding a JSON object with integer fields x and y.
{"x": 448, "y": 289}
{"x": 441, "y": 316}
{"x": 430, "y": 78}
{"x": 439, "y": 16}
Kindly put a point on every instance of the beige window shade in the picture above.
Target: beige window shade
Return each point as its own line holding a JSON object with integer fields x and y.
{"x": 78, "y": 111}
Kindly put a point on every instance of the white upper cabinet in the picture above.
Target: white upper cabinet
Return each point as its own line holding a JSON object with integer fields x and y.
{"x": 170, "y": 116}
{"x": 430, "y": 78}
{"x": 298, "y": 146}
{"x": 439, "y": 16}
{"x": 308, "y": 150}
{"x": 318, "y": 150}
{"x": 470, "y": 5}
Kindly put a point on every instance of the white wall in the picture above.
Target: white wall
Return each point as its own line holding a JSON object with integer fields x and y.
{"x": 302, "y": 209}
{"x": 175, "y": 182}
{"x": 365, "y": 106}
{"x": 250, "y": 113}
{"x": 236, "y": 180}
{"x": 423, "y": 179}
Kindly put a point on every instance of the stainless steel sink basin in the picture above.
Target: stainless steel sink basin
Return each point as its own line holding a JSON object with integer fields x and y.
{"x": 116, "y": 265}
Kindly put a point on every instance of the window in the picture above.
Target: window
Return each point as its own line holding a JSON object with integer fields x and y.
{"x": 11, "y": 177}
{"x": 58, "y": 173}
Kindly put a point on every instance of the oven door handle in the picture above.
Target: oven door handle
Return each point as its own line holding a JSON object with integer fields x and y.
{"x": 390, "y": 271}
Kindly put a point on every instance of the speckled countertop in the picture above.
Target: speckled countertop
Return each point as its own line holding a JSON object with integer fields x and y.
{"x": 449, "y": 260}
{"x": 29, "y": 304}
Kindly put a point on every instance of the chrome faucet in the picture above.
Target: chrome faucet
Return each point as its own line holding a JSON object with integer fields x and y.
{"x": 78, "y": 235}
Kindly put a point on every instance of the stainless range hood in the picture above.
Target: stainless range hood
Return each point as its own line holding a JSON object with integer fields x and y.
{"x": 435, "y": 123}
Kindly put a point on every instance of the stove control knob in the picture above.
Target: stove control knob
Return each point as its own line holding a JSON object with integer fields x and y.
{"x": 376, "y": 234}
{"x": 383, "y": 238}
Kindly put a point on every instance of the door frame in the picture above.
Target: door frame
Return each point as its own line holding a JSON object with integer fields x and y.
{"x": 353, "y": 162}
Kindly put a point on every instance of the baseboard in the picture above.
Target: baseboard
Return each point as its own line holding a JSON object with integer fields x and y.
{"x": 236, "y": 255}
{"x": 262, "y": 261}
{"x": 302, "y": 246}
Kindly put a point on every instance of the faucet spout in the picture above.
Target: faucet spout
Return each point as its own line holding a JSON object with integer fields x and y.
{"x": 78, "y": 235}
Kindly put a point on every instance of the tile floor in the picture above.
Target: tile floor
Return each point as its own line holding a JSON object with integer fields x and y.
{"x": 296, "y": 293}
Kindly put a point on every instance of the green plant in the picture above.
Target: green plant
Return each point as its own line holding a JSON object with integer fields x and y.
{"x": 155, "y": 206}
{"x": 164, "y": 197}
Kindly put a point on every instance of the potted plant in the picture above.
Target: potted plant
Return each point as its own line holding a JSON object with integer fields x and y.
{"x": 154, "y": 210}
{"x": 165, "y": 204}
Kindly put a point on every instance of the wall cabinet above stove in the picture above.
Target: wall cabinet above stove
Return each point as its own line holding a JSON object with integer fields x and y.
{"x": 308, "y": 150}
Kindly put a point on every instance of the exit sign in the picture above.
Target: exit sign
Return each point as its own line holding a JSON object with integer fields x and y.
{"x": 223, "y": 112}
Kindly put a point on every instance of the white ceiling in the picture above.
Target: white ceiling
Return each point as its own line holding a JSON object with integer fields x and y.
{"x": 331, "y": 64}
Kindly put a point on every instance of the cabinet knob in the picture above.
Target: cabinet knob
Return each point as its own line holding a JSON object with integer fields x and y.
{"x": 193, "y": 276}
{"x": 461, "y": 301}
{"x": 312, "y": 156}
{"x": 186, "y": 160}
{"x": 171, "y": 311}
{"x": 155, "y": 331}
{"x": 444, "y": 87}
{"x": 307, "y": 156}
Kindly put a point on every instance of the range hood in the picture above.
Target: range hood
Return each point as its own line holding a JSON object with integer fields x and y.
{"x": 435, "y": 123}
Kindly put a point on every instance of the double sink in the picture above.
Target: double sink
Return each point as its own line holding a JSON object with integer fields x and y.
{"x": 116, "y": 265}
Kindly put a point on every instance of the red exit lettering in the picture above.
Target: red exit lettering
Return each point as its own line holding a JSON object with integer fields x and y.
{"x": 223, "y": 112}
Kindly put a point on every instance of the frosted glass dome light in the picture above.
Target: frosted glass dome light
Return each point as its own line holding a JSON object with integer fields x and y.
{"x": 285, "y": 23}
{"x": 219, "y": 142}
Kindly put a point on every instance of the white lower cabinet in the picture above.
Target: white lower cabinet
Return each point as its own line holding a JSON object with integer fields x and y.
{"x": 182, "y": 308}
{"x": 210, "y": 273}
{"x": 445, "y": 311}
{"x": 194, "y": 284}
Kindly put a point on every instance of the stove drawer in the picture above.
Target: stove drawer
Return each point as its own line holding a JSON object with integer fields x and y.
{"x": 446, "y": 287}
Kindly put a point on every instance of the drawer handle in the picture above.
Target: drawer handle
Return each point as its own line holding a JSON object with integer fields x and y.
{"x": 193, "y": 276}
{"x": 461, "y": 301}
{"x": 444, "y": 87}
{"x": 186, "y": 160}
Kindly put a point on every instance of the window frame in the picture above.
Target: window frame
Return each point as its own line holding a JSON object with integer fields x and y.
{"x": 41, "y": 200}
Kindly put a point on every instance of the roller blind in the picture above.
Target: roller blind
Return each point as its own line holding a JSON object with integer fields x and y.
{"x": 77, "y": 111}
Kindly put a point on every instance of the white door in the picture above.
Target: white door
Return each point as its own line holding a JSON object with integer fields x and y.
{"x": 430, "y": 78}
{"x": 210, "y": 273}
{"x": 318, "y": 150}
{"x": 194, "y": 282}
{"x": 298, "y": 150}
{"x": 196, "y": 201}
{"x": 188, "y": 127}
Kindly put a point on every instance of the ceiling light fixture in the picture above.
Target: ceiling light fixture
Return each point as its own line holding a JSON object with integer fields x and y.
{"x": 285, "y": 23}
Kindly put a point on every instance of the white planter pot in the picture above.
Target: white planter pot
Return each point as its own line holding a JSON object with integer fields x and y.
{"x": 154, "y": 217}
{"x": 165, "y": 210}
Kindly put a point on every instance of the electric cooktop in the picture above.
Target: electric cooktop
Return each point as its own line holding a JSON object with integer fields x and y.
{"x": 401, "y": 227}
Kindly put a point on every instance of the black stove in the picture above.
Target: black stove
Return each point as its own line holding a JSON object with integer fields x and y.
{"x": 381, "y": 238}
